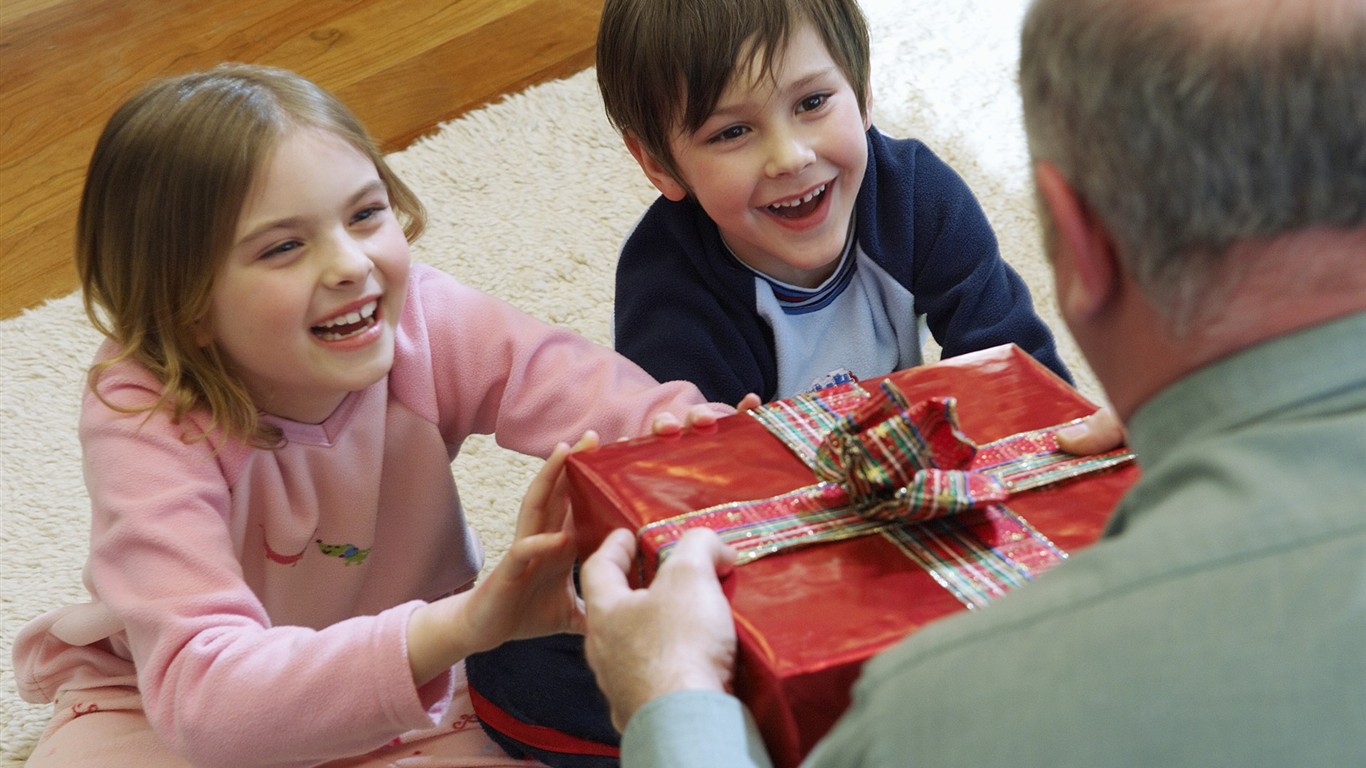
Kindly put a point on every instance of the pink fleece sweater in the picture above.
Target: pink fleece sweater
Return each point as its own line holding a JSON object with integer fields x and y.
{"x": 259, "y": 599}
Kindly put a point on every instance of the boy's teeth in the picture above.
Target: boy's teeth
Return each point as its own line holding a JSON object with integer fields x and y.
{"x": 806, "y": 199}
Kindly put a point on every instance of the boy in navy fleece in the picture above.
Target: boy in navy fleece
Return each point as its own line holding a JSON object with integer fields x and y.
{"x": 793, "y": 245}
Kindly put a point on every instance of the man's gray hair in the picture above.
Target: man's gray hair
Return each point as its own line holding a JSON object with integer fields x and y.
{"x": 1187, "y": 126}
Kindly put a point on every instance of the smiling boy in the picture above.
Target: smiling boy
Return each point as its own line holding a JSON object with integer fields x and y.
{"x": 793, "y": 246}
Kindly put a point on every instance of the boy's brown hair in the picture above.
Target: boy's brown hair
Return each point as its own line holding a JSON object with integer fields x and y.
{"x": 663, "y": 64}
{"x": 159, "y": 211}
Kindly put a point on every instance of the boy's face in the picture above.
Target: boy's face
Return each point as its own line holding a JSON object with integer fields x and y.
{"x": 778, "y": 163}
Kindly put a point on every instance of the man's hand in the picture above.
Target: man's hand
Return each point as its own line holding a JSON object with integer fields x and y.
{"x": 676, "y": 635}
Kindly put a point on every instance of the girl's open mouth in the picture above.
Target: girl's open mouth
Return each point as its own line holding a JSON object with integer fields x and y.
{"x": 347, "y": 325}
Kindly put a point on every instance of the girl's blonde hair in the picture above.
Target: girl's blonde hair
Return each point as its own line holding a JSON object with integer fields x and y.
{"x": 166, "y": 184}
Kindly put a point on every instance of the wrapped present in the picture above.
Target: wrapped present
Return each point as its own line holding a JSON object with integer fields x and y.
{"x": 861, "y": 513}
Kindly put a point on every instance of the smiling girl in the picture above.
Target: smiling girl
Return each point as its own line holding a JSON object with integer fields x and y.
{"x": 281, "y": 572}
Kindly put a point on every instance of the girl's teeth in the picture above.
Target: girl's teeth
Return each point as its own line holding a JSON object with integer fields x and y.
{"x": 352, "y": 318}
{"x": 347, "y": 325}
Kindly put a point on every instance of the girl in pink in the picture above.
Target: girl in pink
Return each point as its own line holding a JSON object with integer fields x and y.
{"x": 280, "y": 570}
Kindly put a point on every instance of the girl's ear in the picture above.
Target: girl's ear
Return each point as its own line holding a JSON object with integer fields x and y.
{"x": 664, "y": 181}
{"x": 203, "y": 333}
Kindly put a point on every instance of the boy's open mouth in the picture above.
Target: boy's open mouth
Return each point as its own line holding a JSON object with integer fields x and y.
{"x": 803, "y": 206}
{"x": 347, "y": 325}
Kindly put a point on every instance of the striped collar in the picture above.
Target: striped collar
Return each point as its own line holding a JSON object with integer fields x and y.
{"x": 796, "y": 300}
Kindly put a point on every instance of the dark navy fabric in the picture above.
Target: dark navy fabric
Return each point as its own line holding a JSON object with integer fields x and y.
{"x": 545, "y": 682}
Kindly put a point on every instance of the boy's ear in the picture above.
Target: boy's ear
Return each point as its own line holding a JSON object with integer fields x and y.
{"x": 1086, "y": 267}
{"x": 656, "y": 173}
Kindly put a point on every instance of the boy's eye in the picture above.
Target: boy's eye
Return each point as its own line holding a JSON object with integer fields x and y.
{"x": 728, "y": 134}
{"x": 812, "y": 103}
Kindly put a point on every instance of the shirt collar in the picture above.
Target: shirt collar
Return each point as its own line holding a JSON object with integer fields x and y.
{"x": 1288, "y": 372}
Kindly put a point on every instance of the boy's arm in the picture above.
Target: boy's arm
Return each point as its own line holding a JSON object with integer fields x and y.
{"x": 684, "y": 311}
{"x": 672, "y": 344}
{"x": 971, "y": 297}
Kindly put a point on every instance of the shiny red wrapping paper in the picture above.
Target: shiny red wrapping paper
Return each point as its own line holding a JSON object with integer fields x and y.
{"x": 807, "y": 619}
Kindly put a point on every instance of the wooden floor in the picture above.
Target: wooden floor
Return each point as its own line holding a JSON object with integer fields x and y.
{"x": 403, "y": 66}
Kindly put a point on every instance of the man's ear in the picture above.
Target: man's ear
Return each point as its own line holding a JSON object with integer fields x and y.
{"x": 654, "y": 171}
{"x": 1086, "y": 268}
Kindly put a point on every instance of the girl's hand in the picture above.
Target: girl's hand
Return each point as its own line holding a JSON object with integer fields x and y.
{"x": 703, "y": 415}
{"x": 531, "y": 590}
{"x": 529, "y": 593}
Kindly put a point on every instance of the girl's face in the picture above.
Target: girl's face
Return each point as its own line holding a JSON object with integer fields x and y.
{"x": 306, "y": 304}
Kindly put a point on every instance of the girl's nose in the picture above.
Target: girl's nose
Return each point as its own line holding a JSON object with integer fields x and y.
{"x": 347, "y": 262}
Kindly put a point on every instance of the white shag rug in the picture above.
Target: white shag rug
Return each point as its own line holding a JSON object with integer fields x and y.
{"x": 529, "y": 199}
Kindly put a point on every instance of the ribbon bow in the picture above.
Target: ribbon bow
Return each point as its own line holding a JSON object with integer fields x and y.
{"x": 908, "y": 463}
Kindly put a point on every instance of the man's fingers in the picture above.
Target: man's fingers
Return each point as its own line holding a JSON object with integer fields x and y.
{"x": 700, "y": 553}
{"x": 603, "y": 575}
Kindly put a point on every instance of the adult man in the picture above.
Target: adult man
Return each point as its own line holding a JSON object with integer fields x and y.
{"x": 1202, "y": 168}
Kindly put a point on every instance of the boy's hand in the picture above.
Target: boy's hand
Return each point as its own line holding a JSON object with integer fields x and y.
{"x": 703, "y": 415}
{"x": 1097, "y": 433}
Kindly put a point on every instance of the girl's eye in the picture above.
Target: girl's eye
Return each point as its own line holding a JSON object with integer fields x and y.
{"x": 813, "y": 103}
{"x": 368, "y": 213}
{"x": 285, "y": 247}
{"x": 728, "y": 134}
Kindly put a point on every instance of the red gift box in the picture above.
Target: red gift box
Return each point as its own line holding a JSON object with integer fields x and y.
{"x": 808, "y": 618}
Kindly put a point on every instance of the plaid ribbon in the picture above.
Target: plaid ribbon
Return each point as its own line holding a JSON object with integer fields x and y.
{"x": 906, "y": 472}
